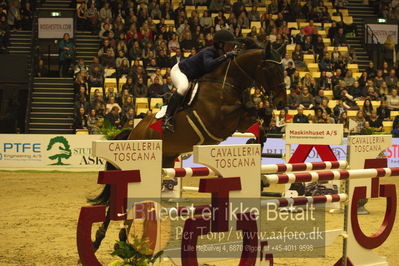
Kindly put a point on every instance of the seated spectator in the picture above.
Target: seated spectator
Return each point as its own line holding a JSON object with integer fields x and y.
{"x": 300, "y": 37}
{"x": 163, "y": 59}
{"x": 371, "y": 71}
{"x": 339, "y": 38}
{"x": 111, "y": 104}
{"x": 309, "y": 82}
{"x": 82, "y": 92}
{"x": 82, "y": 102}
{"x": 106, "y": 33}
{"x": 297, "y": 56}
{"x": 177, "y": 57}
{"x": 317, "y": 116}
{"x": 273, "y": 128}
{"x": 128, "y": 85}
{"x": 105, "y": 12}
{"x": 108, "y": 60}
{"x": 292, "y": 100}
{"x": 290, "y": 69}
{"x": 96, "y": 78}
{"x": 349, "y": 80}
{"x": 79, "y": 82}
{"x": 343, "y": 119}
{"x": 375, "y": 122}
{"x": 367, "y": 108}
{"x": 187, "y": 43}
{"x": 359, "y": 120}
{"x": 168, "y": 85}
{"x": 140, "y": 89}
{"x": 126, "y": 116}
{"x": 308, "y": 29}
{"x": 336, "y": 78}
{"x": 96, "y": 62}
{"x": 337, "y": 90}
{"x": 123, "y": 70}
{"x": 81, "y": 68}
{"x": 392, "y": 79}
{"x": 379, "y": 79}
{"x": 113, "y": 117}
{"x": 339, "y": 109}
{"x": 127, "y": 104}
{"x": 318, "y": 47}
{"x": 383, "y": 111}
{"x": 92, "y": 121}
{"x": 324, "y": 107}
{"x": 324, "y": 83}
{"x": 393, "y": 100}
{"x": 110, "y": 92}
{"x": 281, "y": 120}
{"x": 319, "y": 98}
{"x": 155, "y": 90}
{"x": 135, "y": 52}
{"x": 300, "y": 117}
{"x": 92, "y": 18}
{"x": 286, "y": 60}
{"x": 41, "y": 70}
{"x": 287, "y": 80}
{"x": 80, "y": 121}
{"x": 121, "y": 57}
{"x": 307, "y": 46}
{"x": 258, "y": 97}
{"x": 395, "y": 127}
{"x": 305, "y": 99}
{"x": 372, "y": 94}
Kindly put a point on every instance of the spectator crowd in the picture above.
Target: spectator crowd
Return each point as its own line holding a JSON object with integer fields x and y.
{"x": 141, "y": 41}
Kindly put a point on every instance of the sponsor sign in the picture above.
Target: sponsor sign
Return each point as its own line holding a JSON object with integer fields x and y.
{"x": 314, "y": 134}
{"x": 48, "y": 151}
{"x": 54, "y": 28}
{"x": 382, "y": 31}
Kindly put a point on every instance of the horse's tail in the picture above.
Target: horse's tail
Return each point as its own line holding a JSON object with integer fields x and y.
{"x": 103, "y": 197}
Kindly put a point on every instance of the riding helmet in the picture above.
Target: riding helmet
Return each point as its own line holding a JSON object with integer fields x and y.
{"x": 224, "y": 36}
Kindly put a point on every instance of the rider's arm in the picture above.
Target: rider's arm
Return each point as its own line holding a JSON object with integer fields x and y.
{"x": 210, "y": 62}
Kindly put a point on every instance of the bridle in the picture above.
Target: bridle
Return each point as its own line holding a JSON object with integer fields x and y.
{"x": 279, "y": 86}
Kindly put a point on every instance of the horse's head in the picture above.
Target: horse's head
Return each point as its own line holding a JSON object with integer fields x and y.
{"x": 270, "y": 74}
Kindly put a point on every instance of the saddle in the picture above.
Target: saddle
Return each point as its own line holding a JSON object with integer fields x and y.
{"x": 187, "y": 102}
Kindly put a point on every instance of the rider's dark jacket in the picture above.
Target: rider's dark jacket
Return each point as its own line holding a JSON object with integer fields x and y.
{"x": 204, "y": 62}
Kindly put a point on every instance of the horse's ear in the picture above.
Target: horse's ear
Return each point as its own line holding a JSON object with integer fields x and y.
{"x": 268, "y": 50}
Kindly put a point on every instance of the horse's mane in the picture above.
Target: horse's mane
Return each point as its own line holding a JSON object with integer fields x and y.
{"x": 248, "y": 44}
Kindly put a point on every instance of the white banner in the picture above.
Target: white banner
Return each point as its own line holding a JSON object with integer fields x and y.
{"x": 316, "y": 134}
{"x": 55, "y": 28}
{"x": 382, "y": 31}
{"x": 48, "y": 151}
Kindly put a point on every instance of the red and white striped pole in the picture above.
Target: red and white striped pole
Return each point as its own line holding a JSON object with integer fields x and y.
{"x": 295, "y": 167}
{"x": 284, "y": 202}
{"x": 316, "y": 176}
{"x": 188, "y": 172}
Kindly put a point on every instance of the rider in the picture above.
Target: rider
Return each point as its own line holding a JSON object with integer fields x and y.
{"x": 194, "y": 67}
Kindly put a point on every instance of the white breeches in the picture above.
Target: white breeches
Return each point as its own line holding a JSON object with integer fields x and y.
{"x": 179, "y": 79}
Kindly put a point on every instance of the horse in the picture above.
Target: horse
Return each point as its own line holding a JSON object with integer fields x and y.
{"x": 219, "y": 109}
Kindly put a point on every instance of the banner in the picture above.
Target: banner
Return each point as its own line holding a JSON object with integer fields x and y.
{"x": 382, "y": 31}
{"x": 314, "y": 134}
{"x": 49, "y": 151}
{"x": 55, "y": 28}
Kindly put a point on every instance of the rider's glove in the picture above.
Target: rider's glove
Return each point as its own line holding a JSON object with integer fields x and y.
{"x": 231, "y": 54}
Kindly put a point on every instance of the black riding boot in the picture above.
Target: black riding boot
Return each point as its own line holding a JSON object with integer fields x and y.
{"x": 169, "y": 121}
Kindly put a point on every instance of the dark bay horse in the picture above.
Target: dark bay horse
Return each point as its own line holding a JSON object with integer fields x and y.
{"x": 219, "y": 107}
{"x": 218, "y": 110}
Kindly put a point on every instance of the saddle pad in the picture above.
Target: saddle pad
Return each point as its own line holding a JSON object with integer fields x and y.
{"x": 161, "y": 112}
{"x": 192, "y": 94}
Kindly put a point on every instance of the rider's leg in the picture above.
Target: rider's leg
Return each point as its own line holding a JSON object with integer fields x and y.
{"x": 181, "y": 83}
